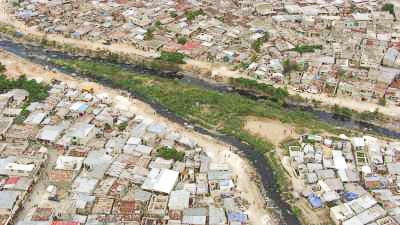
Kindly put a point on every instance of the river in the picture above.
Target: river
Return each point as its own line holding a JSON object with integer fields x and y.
{"x": 40, "y": 55}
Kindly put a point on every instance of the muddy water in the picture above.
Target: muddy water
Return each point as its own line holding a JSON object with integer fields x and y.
{"x": 282, "y": 211}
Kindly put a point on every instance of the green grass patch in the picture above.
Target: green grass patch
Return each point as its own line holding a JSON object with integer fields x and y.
{"x": 307, "y": 48}
{"x": 172, "y": 57}
{"x": 287, "y": 143}
{"x": 191, "y": 15}
{"x": 342, "y": 111}
{"x": 267, "y": 90}
{"x": 170, "y": 153}
{"x": 216, "y": 111}
{"x": 37, "y": 92}
{"x": 256, "y": 45}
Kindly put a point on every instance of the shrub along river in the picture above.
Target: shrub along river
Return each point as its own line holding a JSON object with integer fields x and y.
{"x": 267, "y": 175}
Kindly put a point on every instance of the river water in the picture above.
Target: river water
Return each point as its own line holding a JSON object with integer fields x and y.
{"x": 281, "y": 209}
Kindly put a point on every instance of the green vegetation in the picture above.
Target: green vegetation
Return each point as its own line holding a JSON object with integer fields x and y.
{"x": 342, "y": 111}
{"x": 306, "y": 48}
{"x": 256, "y": 45}
{"x": 122, "y": 126}
{"x": 182, "y": 40}
{"x": 170, "y": 153}
{"x": 221, "y": 112}
{"x": 149, "y": 33}
{"x": 275, "y": 94}
{"x": 297, "y": 211}
{"x": 220, "y": 18}
{"x": 37, "y": 92}
{"x": 382, "y": 101}
{"x": 290, "y": 66}
{"x": 371, "y": 116}
{"x": 157, "y": 23}
{"x": 241, "y": 65}
{"x": 285, "y": 144}
{"x": 173, "y": 14}
{"x": 172, "y": 57}
{"x": 191, "y": 15}
{"x": 388, "y": 7}
{"x": 2, "y": 68}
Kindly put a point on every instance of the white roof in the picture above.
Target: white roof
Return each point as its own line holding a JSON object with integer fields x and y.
{"x": 144, "y": 149}
{"x": 35, "y": 118}
{"x": 362, "y": 203}
{"x": 161, "y": 180}
{"x": 358, "y": 142}
{"x": 342, "y": 212}
{"x": 338, "y": 160}
{"x": 69, "y": 163}
{"x": 21, "y": 167}
{"x": 362, "y": 16}
{"x": 353, "y": 221}
{"x": 50, "y": 133}
{"x": 81, "y": 130}
{"x": 179, "y": 200}
{"x": 134, "y": 141}
{"x": 79, "y": 107}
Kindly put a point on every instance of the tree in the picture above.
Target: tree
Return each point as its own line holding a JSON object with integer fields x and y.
{"x": 170, "y": 153}
{"x": 220, "y": 18}
{"x": 2, "y": 68}
{"x": 191, "y": 15}
{"x": 256, "y": 45}
{"x": 122, "y": 126}
{"x": 289, "y": 66}
{"x": 157, "y": 23}
{"x": 306, "y": 48}
{"x": 172, "y": 57}
{"x": 182, "y": 40}
{"x": 149, "y": 34}
{"x": 389, "y": 7}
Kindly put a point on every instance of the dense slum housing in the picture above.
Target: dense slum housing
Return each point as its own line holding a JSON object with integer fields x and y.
{"x": 341, "y": 48}
{"x": 354, "y": 178}
{"x": 82, "y": 158}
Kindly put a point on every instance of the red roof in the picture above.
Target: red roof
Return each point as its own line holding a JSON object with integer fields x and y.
{"x": 12, "y": 180}
{"x": 64, "y": 223}
{"x": 190, "y": 45}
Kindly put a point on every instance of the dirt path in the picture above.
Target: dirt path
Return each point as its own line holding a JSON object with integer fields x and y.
{"x": 216, "y": 69}
{"x": 272, "y": 130}
{"x": 218, "y": 151}
{"x": 39, "y": 195}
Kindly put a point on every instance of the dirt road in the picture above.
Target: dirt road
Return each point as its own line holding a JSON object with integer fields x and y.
{"x": 216, "y": 69}
{"x": 218, "y": 151}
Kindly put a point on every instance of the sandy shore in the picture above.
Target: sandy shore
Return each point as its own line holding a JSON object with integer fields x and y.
{"x": 214, "y": 68}
{"x": 219, "y": 152}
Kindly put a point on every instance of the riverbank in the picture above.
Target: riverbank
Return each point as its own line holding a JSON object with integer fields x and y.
{"x": 220, "y": 113}
{"x": 366, "y": 119}
{"x": 265, "y": 169}
{"x": 130, "y": 54}
{"x": 218, "y": 150}
{"x": 247, "y": 88}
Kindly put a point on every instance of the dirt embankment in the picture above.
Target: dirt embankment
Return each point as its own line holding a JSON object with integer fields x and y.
{"x": 203, "y": 69}
{"x": 218, "y": 151}
{"x": 276, "y": 132}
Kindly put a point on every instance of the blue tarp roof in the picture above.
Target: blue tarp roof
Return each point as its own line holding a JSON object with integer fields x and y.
{"x": 237, "y": 217}
{"x": 315, "y": 201}
{"x": 349, "y": 196}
